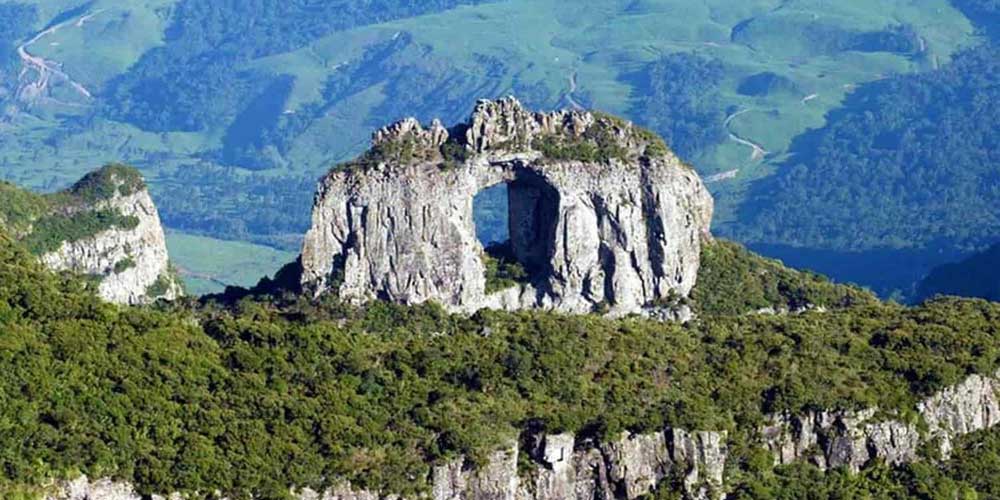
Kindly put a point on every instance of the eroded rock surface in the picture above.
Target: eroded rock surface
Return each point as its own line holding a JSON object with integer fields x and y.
{"x": 602, "y": 215}
{"x": 131, "y": 263}
{"x": 968, "y": 407}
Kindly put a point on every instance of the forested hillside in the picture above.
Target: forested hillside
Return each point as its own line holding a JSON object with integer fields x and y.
{"x": 976, "y": 276}
{"x": 907, "y": 163}
{"x": 256, "y": 396}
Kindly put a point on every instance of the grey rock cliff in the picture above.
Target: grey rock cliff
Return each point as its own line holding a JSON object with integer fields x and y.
{"x": 132, "y": 264}
{"x": 564, "y": 468}
{"x": 968, "y": 407}
{"x": 624, "y": 231}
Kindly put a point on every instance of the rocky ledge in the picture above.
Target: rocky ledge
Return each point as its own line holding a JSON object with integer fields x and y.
{"x": 107, "y": 228}
{"x": 564, "y": 467}
{"x": 603, "y": 217}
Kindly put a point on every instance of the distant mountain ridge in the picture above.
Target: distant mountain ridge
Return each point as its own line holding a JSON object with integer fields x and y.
{"x": 976, "y": 276}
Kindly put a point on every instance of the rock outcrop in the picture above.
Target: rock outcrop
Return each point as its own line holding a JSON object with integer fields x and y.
{"x": 602, "y": 215}
{"x": 565, "y": 468}
{"x": 967, "y": 407}
{"x": 854, "y": 439}
{"x": 107, "y": 228}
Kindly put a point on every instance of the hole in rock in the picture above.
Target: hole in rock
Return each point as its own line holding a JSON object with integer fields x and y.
{"x": 515, "y": 222}
{"x": 491, "y": 214}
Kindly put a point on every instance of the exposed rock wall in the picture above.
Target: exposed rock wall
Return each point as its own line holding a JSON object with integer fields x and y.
{"x": 624, "y": 232}
{"x": 132, "y": 264}
{"x": 853, "y": 439}
{"x": 564, "y": 468}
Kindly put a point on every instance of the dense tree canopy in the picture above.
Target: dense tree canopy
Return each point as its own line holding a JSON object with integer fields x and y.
{"x": 678, "y": 98}
{"x": 909, "y": 161}
{"x": 265, "y": 393}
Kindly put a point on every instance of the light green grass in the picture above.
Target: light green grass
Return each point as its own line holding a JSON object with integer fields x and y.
{"x": 208, "y": 265}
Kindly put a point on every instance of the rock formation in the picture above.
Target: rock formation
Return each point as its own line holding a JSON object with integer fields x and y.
{"x": 602, "y": 215}
{"x": 632, "y": 465}
{"x": 107, "y": 228}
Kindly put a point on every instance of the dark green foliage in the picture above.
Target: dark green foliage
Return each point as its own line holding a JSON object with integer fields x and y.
{"x": 124, "y": 265}
{"x": 51, "y": 231}
{"x": 19, "y": 207}
{"x": 253, "y": 398}
{"x": 767, "y": 83}
{"x": 557, "y": 147}
{"x": 678, "y": 98}
{"x": 502, "y": 269}
{"x": 976, "y": 276}
{"x": 107, "y": 182}
{"x": 160, "y": 287}
{"x": 44, "y": 222}
{"x": 734, "y": 281}
{"x": 909, "y": 162}
{"x": 454, "y": 152}
{"x": 600, "y": 143}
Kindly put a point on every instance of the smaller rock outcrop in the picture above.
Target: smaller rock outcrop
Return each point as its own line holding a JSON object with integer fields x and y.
{"x": 104, "y": 227}
{"x": 603, "y": 217}
{"x": 830, "y": 440}
{"x": 968, "y": 407}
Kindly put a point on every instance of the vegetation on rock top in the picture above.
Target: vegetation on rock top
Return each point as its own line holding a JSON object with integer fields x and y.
{"x": 45, "y": 221}
{"x": 108, "y": 182}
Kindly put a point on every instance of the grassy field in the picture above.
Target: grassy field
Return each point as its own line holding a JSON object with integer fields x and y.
{"x": 209, "y": 265}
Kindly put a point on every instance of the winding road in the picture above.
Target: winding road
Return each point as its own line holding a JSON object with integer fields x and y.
{"x": 758, "y": 152}
{"x": 572, "y": 89}
{"x": 38, "y": 73}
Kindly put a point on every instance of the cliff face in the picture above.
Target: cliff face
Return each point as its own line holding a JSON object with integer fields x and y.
{"x": 602, "y": 215}
{"x": 132, "y": 264}
{"x": 565, "y": 468}
{"x": 107, "y": 228}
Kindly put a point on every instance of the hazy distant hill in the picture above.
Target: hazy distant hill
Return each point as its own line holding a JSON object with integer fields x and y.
{"x": 976, "y": 276}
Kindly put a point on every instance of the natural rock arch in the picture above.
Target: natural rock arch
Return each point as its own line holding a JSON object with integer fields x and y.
{"x": 601, "y": 212}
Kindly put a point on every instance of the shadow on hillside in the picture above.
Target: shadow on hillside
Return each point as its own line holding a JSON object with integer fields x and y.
{"x": 891, "y": 273}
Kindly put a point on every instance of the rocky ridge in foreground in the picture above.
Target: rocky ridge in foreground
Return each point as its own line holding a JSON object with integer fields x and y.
{"x": 564, "y": 467}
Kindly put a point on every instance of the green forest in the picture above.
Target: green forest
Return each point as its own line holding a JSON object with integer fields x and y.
{"x": 254, "y": 395}
{"x": 888, "y": 168}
